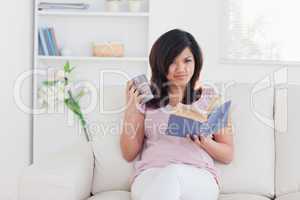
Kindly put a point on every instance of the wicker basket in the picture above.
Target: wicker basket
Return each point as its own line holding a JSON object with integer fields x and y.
{"x": 109, "y": 49}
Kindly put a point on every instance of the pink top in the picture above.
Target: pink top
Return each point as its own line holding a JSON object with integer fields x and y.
{"x": 160, "y": 149}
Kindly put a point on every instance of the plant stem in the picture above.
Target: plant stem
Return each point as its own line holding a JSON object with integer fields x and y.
{"x": 82, "y": 121}
{"x": 86, "y": 134}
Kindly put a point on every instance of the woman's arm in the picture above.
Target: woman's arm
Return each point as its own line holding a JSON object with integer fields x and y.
{"x": 132, "y": 136}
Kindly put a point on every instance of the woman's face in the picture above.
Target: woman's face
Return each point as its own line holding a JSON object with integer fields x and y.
{"x": 182, "y": 69}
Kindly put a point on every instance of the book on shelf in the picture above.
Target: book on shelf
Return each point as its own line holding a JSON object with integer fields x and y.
{"x": 180, "y": 126}
{"x": 42, "y": 42}
{"x": 49, "y": 6}
{"x": 41, "y": 51}
{"x": 47, "y": 42}
{"x": 54, "y": 41}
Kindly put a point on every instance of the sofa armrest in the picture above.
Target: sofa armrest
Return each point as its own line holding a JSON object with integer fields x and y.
{"x": 64, "y": 175}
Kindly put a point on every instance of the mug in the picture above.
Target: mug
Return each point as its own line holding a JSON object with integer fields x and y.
{"x": 143, "y": 87}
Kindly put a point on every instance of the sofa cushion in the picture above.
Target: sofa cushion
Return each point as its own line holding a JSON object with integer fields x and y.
{"x": 124, "y": 195}
{"x": 112, "y": 195}
{"x": 240, "y": 196}
{"x": 112, "y": 171}
{"x": 292, "y": 196}
{"x": 287, "y": 139}
{"x": 252, "y": 170}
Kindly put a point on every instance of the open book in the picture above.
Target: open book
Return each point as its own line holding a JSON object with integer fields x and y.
{"x": 181, "y": 125}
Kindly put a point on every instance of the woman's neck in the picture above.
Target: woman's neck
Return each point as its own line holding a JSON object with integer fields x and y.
{"x": 175, "y": 96}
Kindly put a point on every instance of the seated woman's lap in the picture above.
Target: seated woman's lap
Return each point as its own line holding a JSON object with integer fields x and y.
{"x": 176, "y": 182}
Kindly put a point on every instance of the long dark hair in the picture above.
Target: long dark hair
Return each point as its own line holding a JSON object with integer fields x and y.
{"x": 163, "y": 52}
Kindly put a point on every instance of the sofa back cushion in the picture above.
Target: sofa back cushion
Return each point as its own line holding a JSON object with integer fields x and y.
{"x": 287, "y": 139}
{"x": 252, "y": 170}
{"x": 111, "y": 171}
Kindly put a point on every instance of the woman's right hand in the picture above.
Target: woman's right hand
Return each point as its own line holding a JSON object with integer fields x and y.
{"x": 133, "y": 98}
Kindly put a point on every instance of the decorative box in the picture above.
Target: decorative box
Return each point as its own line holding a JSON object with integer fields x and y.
{"x": 108, "y": 49}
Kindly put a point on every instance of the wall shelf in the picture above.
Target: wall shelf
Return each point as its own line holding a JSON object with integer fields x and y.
{"x": 92, "y": 14}
{"x": 76, "y": 31}
{"x": 90, "y": 58}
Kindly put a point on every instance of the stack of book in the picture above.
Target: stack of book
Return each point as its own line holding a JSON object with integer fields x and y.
{"x": 47, "y": 42}
{"x": 46, "y": 5}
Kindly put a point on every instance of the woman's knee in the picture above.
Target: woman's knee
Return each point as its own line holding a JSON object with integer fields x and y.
{"x": 198, "y": 183}
{"x": 164, "y": 185}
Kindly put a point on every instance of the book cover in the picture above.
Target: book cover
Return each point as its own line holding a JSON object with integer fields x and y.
{"x": 180, "y": 126}
{"x": 40, "y": 52}
{"x": 43, "y": 42}
{"x": 47, "y": 39}
{"x": 51, "y": 44}
{"x": 54, "y": 41}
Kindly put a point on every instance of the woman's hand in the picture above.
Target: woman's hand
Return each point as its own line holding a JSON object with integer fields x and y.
{"x": 220, "y": 147}
{"x": 199, "y": 140}
{"x": 133, "y": 98}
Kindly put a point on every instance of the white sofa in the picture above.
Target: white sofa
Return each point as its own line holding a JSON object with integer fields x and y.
{"x": 266, "y": 164}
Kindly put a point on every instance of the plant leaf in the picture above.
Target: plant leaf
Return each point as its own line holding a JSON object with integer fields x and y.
{"x": 50, "y": 83}
{"x": 71, "y": 69}
{"x": 75, "y": 108}
{"x": 67, "y": 67}
{"x": 80, "y": 94}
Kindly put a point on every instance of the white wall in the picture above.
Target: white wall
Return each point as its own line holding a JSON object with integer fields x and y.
{"x": 15, "y": 51}
{"x": 202, "y": 19}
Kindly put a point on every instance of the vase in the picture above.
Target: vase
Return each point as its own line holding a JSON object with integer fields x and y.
{"x": 113, "y": 6}
{"x": 134, "y": 5}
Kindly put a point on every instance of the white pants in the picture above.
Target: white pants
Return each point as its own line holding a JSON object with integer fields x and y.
{"x": 175, "y": 182}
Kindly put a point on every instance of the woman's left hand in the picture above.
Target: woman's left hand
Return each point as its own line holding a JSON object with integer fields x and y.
{"x": 201, "y": 141}
{"x": 219, "y": 146}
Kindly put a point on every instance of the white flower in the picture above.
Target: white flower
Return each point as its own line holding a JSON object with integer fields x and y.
{"x": 60, "y": 75}
{"x": 52, "y": 95}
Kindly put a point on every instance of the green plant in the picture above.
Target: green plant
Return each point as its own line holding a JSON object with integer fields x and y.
{"x": 59, "y": 90}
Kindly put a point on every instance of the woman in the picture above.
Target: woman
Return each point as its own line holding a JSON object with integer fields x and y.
{"x": 173, "y": 168}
